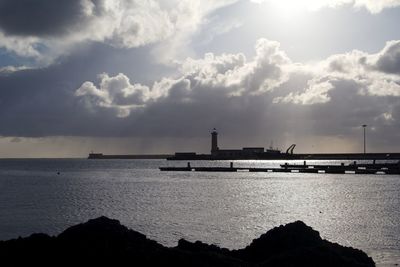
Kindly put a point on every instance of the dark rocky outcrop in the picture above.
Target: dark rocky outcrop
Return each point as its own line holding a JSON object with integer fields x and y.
{"x": 105, "y": 241}
{"x": 300, "y": 244}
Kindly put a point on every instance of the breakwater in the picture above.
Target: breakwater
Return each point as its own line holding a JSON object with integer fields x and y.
{"x": 354, "y": 168}
{"x": 286, "y": 156}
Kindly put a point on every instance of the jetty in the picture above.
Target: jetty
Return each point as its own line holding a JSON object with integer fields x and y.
{"x": 352, "y": 168}
{"x": 251, "y": 153}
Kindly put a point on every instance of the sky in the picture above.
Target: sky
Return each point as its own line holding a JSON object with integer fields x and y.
{"x": 156, "y": 76}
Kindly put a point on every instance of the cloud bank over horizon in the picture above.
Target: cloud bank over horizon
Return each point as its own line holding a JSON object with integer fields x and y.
{"x": 268, "y": 94}
{"x": 337, "y": 94}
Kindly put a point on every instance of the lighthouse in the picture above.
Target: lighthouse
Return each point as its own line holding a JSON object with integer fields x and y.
{"x": 214, "y": 141}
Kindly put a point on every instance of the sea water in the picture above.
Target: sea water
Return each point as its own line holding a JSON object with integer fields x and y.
{"x": 227, "y": 209}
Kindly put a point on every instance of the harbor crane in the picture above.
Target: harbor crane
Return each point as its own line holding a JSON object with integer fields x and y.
{"x": 290, "y": 149}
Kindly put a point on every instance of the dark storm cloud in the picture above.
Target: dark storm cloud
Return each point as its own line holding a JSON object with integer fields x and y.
{"x": 40, "y": 17}
{"x": 41, "y": 102}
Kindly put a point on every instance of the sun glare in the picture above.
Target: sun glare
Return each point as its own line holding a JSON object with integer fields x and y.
{"x": 294, "y": 8}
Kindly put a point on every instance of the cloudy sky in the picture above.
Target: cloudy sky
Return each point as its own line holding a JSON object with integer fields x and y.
{"x": 155, "y": 76}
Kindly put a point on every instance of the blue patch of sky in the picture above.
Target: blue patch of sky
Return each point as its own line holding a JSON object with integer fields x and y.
{"x": 8, "y": 58}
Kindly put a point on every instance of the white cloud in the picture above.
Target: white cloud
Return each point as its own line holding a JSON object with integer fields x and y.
{"x": 239, "y": 76}
{"x": 228, "y": 74}
{"x": 388, "y": 116}
{"x": 267, "y": 72}
{"x": 316, "y": 93}
{"x": 375, "y": 74}
{"x": 25, "y": 47}
{"x": 381, "y": 87}
{"x": 376, "y": 6}
{"x": 115, "y": 93}
{"x": 10, "y": 69}
{"x": 373, "y": 6}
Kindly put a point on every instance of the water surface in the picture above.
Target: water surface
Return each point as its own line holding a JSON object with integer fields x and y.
{"x": 228, "y": 209}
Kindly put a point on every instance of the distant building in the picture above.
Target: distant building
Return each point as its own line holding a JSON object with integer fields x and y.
{"x": 224, "y": 153}
{"x": 253, "y": 149}
{"x": 229, "y": 154}
{"x": 214, "y": 141}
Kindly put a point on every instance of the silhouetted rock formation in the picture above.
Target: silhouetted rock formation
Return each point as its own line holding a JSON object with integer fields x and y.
{"x": 106, "y": 241}
{"x": 298, "y": 244}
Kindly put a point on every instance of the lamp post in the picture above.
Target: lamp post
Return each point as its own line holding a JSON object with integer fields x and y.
{"x": 364, "y": 126}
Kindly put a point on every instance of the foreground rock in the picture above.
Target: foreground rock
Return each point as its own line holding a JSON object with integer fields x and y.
{"x": 105, "y": 241}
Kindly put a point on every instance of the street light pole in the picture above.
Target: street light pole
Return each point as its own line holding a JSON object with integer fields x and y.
{"x": 364, "y": 126}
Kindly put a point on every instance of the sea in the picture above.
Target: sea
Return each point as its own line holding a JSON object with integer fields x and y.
{"x": 226, "y": 209}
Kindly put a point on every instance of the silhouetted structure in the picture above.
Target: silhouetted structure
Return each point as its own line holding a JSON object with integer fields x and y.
{"x": 226, "y": 153}
{"x": 274, "y": 154}
{"x": 214, "y": 141}
{"x": 365, "y": 140}
{"x": 254, "y": 153}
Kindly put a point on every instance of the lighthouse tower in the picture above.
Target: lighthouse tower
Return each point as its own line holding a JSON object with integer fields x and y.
{"x": 214, "y": 141}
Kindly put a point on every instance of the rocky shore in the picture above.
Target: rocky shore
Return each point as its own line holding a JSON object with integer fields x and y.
{"x": 105, "y": 241}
